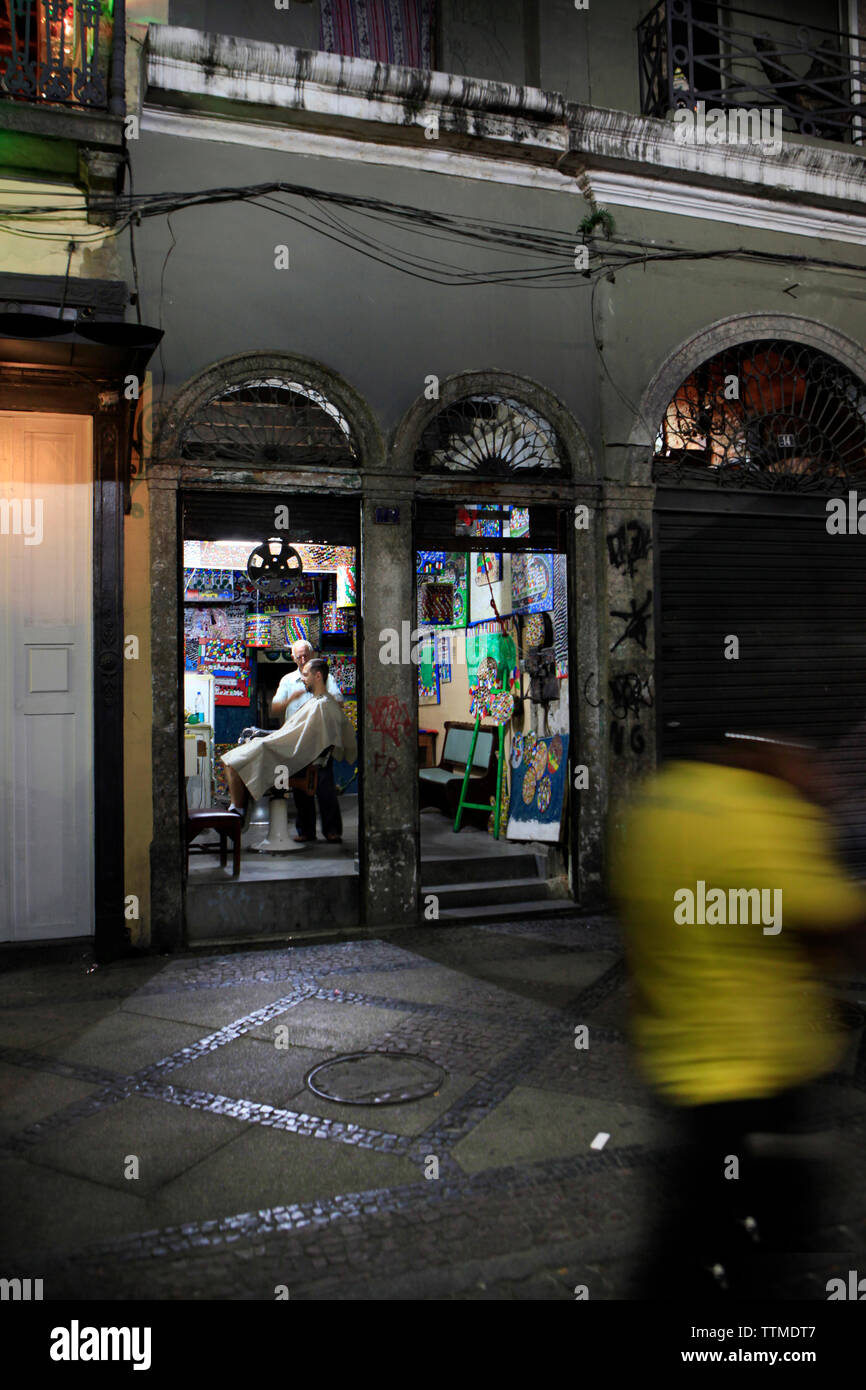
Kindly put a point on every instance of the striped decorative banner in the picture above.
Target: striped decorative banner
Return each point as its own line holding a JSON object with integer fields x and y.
{"x": 388, "y": 31}
{"x": 560, "y": 613}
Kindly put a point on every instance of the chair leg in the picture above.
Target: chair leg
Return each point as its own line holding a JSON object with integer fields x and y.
{"x": 224, "y": 849}
{"x": 236, "y": 854}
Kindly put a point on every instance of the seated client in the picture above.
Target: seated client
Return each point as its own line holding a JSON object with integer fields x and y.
{"x": 320, "y": 723}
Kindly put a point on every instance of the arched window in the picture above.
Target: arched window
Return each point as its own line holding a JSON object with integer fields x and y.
{"x": 493, "y": 435}
{"x": 269, "y": 421}
{"x": 765, "y": 414}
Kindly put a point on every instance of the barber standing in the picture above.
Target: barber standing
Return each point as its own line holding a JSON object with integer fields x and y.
{"x": 291, "y": 695}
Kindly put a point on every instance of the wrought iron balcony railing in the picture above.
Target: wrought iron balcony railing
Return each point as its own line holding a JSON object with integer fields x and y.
{"x": 693, "y": 50}
{"x": 67, "y": 52}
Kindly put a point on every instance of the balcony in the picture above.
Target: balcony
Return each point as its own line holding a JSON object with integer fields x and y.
{"x": 692, "y": 50}
{"x": 63, "y": 53}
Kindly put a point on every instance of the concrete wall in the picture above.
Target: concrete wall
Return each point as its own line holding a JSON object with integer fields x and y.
{"x": 643, "y": 316}
{"x": 477, "y": 39}
{"x": 209, "y": 281}
{"x": 383, "y": 330}
{"x": 454, "y": 698}
{"x": 297, "y": 26}
{"x": 97, "y": 255}
{"x": 137, "y": 696}
{"x": 589, "y": 55}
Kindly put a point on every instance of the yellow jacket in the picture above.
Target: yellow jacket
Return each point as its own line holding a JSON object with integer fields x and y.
{"x": 728, "y": 1009}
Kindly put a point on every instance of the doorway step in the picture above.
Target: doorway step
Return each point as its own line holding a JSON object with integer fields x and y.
{"x": 518, "y": 884}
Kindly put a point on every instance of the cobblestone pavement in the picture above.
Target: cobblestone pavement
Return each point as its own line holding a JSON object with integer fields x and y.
{"x": 158, "y": 1139}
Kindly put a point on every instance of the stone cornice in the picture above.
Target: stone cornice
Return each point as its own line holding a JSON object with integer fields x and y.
{"x": 618, "y": 140}
{"x": 296, "y": 70}
{"x": 307, "y": 94}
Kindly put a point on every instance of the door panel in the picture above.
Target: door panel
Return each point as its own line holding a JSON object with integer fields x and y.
{"x": 46, "y": 548}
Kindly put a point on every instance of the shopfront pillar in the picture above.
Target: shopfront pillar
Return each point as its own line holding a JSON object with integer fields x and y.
{"x": 389, "y": 759}
{"x": 166, "y": 858}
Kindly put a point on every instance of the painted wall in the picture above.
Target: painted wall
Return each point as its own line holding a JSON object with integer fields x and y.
{"x": 453, "y": 695}
{"x": 477, "y": 39}
{"x": 138, "y": 719}
{"x": 386, "y": 332}
{"x": 383, "y": 330}
{"x": 588, "y": 54}
{"x": 148, "y": 11}
{"x": 137, "y": 692}
{"x": 297, "y": 25}
{"x": 23, "y": 251}
{"x": 646, "y": 314}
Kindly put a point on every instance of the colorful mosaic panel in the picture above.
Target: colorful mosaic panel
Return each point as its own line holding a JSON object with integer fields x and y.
{"x": 436, "y": 604}
{"x": 531, "y": 583}
{"x": 342, "y": 668}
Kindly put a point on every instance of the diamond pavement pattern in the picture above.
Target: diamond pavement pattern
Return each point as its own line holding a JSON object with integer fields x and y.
{"x": 158, "y": 1139}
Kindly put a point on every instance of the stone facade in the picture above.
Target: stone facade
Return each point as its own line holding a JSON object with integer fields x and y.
{"x": 246, "y": 137}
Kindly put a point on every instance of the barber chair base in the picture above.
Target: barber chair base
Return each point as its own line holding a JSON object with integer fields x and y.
{"x": 279, "y": 839}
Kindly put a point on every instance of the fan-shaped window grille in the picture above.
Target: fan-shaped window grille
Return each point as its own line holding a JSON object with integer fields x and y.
{"x": 494, "y": 435}
{"x": 269, "y": 422}
{"x": 773, "y": 415}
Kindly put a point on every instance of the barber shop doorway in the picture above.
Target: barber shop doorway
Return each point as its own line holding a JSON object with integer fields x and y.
{"x": 496, "y": 820}
{"x": 269, "y": 592}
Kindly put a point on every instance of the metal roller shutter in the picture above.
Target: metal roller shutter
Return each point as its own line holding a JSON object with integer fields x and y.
{"x": 213, "y": 514}
{"x": 795, "y": 597}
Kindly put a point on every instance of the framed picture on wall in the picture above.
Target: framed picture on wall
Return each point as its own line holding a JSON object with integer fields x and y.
{"x": 436, "y": 604}
{"x": 488, "y": 568}
{"x": 428, "y": 671}
{"x": 531, "y": 583}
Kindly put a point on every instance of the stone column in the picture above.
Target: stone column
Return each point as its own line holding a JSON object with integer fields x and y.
{"x": 166, "y": 853}
{"x": 389, "y": 711}
{"x": 629, "y": 692}
{"x": 588, "y": 674}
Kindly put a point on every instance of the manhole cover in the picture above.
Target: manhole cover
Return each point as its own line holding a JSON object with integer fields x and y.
{"x": 376, "y": 1078}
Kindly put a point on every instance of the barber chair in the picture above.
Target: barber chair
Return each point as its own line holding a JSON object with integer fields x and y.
{"x": 279, "y": 839}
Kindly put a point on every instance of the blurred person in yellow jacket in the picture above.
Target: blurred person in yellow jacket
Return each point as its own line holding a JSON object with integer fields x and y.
{"x": 729, "y": 889}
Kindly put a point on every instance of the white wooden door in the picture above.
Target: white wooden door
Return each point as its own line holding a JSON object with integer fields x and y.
{"x": 46, "y": 687}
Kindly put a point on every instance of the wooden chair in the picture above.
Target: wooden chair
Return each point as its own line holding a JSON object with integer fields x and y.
{"x": 226, "y": 824}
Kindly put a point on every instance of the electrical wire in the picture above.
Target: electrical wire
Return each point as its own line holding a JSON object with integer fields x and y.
{"x": 132, "y": 221}
{"x": 422, "y": 269}
{"x": 330, "y": 214}
{"x": 599, "y": 352}
{"x": 70, "y": 248}
{"x": 161, "y": 292}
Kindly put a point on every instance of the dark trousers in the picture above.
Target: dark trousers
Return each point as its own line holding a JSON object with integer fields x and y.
{"x": 329, "y": 807}
{"x": 741, "y": 1227}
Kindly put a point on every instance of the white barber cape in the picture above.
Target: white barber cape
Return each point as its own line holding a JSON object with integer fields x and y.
{"x": 319, "y": 724}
